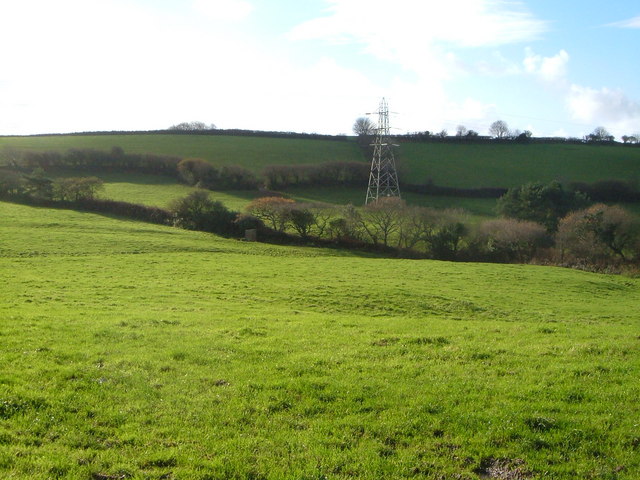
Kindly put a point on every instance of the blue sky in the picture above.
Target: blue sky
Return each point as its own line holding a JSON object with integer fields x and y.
{"x": 552, "y": 67}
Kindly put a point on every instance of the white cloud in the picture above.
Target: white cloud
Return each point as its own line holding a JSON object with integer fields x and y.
{"x": 424, "y": 39}
{"x": 414, "y": 33}
{"x": 630, "y": 23}
{"x": 226, "y": 10}
{"x": 91, "y": 65}
{"x": 611, "y": 108}
{"x": 549, "y": 69}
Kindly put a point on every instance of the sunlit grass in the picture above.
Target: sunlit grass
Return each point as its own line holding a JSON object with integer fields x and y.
{"x": 140, "y": 351}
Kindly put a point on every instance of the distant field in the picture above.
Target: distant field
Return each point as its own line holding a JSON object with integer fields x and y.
{"x": 132, "y": 350}
{"x": 356, "y": 196}
{"x": 509, "y": 165}
{"x": 482, "y": 165}
{"x": 160, "y": 191}
{"x": 251, "y": 152}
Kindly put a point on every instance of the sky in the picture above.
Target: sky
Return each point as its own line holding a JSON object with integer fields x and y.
{"x": 556, "y": 68}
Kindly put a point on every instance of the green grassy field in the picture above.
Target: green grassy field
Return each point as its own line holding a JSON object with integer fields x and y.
{"x": 253, "y": 153}
{"x": 160, "y": 191}
{"x": 509, "y": 165}
{"x": 138, "y": 351}
{"x": 476, "y": 165}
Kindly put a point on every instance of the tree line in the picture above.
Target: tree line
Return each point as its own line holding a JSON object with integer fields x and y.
{"x": 499, "y": 132}
{"x": 204, "y": 174}
{"x": 539, "y": 223}
{"x": 199, "y": 128}
{"x": 193, "y": 171}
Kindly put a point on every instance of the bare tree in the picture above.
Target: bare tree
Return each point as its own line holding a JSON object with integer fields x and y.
{"x": 499, "y": 129}
{"x": 192, "y": 126}
{"x": 272, "y": 210}
{"x": 598, "y": 233}
{"x": 600, "y": 134}
{"x": 363, "y": 126}
{"x": 509, "y": 239}
{"x": 461, "y": 131}
{"x": 382, "y": 218}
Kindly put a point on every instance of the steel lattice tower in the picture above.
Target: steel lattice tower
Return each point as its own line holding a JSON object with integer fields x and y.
{"x": 383, "y": 180}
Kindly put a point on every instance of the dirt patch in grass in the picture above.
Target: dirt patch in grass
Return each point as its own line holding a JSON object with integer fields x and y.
{"x": 503, "y": 469}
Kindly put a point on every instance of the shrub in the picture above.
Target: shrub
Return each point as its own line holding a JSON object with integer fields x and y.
{"x": 91, "y": 160}
{"x": 544, "y": 204}
{"x": 11, "y": 182}
{"x": 76, "y": 188}
{"x": 302, "y": 220}
{"x": 198, "y": 172}
{"x": 234, "y": 177}
{"x": 513, "y": 240}
{"x": 324, "y": 174}
{"x": 381, "y": 219}
{"x": 195, "y": 171}
{"x": 599, "y": 234}
{"x": 609, "y": 191}
{"x": 274, "y": 211}
{"x": 197, "y": 211}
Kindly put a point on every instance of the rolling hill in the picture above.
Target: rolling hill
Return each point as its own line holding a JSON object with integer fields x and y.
{"x": 446, "y": 164}
{"x": 139, "y": 351}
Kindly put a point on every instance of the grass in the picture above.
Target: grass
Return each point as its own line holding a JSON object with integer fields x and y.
{"x": 509, "y": 165}
{"x": 456, "y": 165}
{"x": 139, "y": 351}
{"x": 159, "y": 191}
{"x": 355, "y": 196}
{"x": 253, "y": 153}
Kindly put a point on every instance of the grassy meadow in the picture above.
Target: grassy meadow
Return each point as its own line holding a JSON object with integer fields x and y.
{"x": 446, "y": 164}
{"x": 160, "y": 191}
{"x": 509, "y": 165}
{"x": 253, "y": 153}
{"x": 138, "y": 351}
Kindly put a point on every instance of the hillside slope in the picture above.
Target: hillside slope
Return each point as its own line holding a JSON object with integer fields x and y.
{"x": 446, "y": 164}
{"x": 144, "y": 351}
{"x": 510, "y": 164}
{"x": 251, "y": 152}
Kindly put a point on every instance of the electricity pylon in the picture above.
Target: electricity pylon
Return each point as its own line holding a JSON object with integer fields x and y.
{"x": 383, "y": 180}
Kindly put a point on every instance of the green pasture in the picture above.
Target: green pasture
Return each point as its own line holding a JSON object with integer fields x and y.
{"x": 138, "y": 351}
{"x": 446, "y": 164}
{"x": 253, "y": 153}
{"x": 509, "y": 165}
{"x": 356, "y": 196}
{"x": 160, "y": 191}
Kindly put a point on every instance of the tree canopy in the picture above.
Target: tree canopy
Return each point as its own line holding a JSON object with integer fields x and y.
{"x": 499, "y": 129}
{"x": 544, "y": 204}
{"x": 363, "y": 126}
{"x": 192, "y": 126}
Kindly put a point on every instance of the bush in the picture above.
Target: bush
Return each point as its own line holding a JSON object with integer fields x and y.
{"x": 198, "y": 172}
{"x": 609, "y": 191}
{"x": 274, "y": 211}
{"x": 95, "y": 160}
{"x": 381, "y": 220}
{"x": 509, "y": 240}
{"x": 324, "y": 174}
{"x": 11, "y": 182}
{"x": 197, "y": 211}
{"x": 598, "y": 235}
{"x": 544, "y": 204}
{"x": 76, "y": 188}
{"x": 195, "y": 171}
